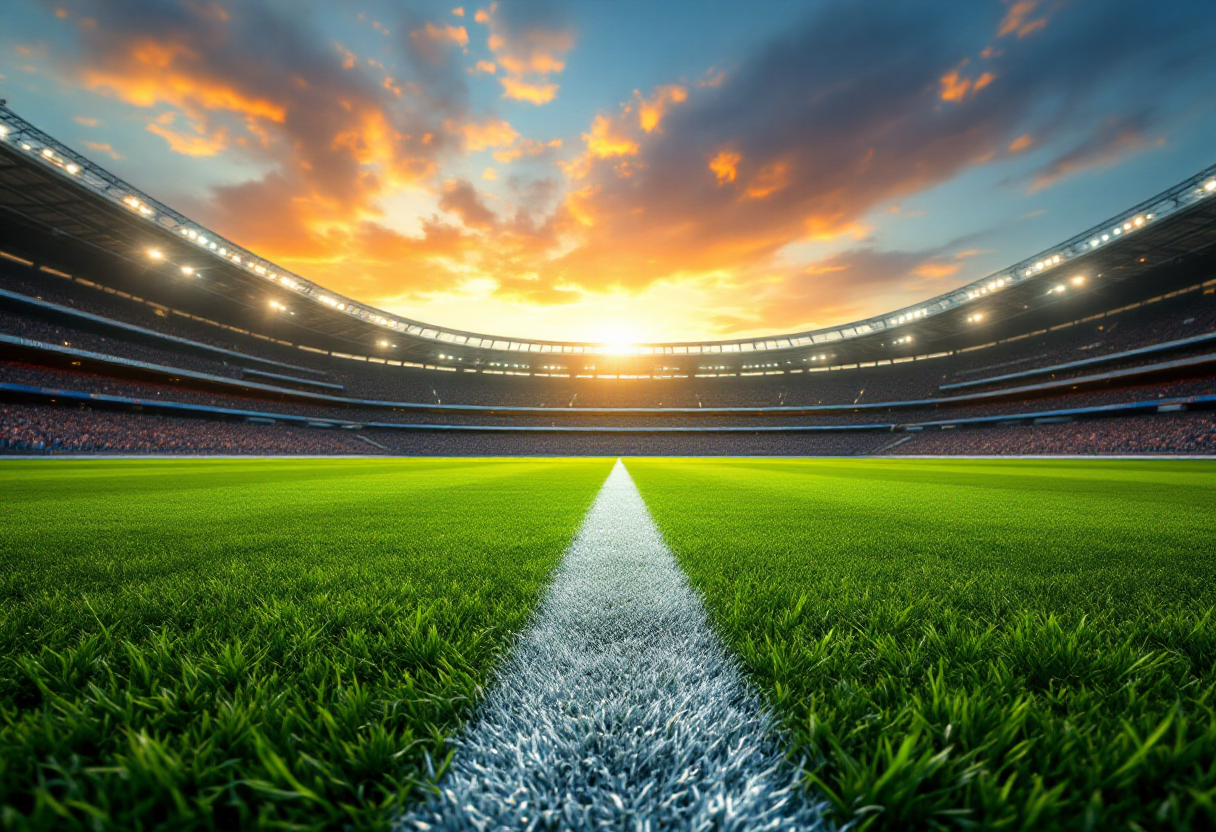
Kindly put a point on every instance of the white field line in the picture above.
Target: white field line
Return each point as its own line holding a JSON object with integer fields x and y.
{"x": 619, "y": 708}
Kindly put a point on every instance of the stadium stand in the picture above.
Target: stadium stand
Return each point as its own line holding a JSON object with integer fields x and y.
{"x": 140, "y": 354}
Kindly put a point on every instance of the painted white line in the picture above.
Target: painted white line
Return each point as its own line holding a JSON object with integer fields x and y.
{"x": 619, "y": 708}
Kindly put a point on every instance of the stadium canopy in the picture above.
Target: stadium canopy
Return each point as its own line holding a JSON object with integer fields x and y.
{"x": 61, "y": 207}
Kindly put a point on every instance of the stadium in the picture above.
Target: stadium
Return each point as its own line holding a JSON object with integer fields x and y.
{"x": 276, "y": 556}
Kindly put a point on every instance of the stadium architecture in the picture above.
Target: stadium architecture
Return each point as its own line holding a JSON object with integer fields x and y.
{"x": 127, "y": 327}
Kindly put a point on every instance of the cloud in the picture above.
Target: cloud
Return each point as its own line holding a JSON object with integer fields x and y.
{"x": 102, "y": 147}
{"x": 725, "y": 165}
{"x": 332, "y": 136}
{"x": 492, "y": 132}
{"x": 955, "y": 86}
{"x": 461, "y": 198}
{"x": 1112, "y": 142}
{"x": 1021, "y": 143}
{"x": 527, "y": 148}
{"x": 604, "y": 142}
{"x": 1018, "y": 21}
{"x": 86, "y": 121}
{"x": 651, "y": 110}
{"x": 190, "y": 144}
{"x": 701, "y": 195}
{"x": 431, "y": 35}
{"x": 529, "y": 42}
{"x": 805, "y": 137}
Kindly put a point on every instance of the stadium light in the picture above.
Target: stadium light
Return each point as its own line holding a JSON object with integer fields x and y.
{"x": 1210, "y": 185}
{"x": 155, "y": 254}
{"x": 1078, "y": 280}
{"x": 186, "y": 270}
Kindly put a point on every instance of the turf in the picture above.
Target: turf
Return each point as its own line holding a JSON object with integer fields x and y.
{"x": 270, "y": 644}
{"x": 962, "y": 644}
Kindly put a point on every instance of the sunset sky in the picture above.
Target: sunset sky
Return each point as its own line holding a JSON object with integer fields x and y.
{"x": 627, "y": 171}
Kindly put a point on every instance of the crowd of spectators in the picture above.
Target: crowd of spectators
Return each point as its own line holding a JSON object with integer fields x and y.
{"x": 50, "y": 429}
{"x": 95, "y": 301}
{"x": 148, "y": 391}
{"x": 1184, "y": 316}
{"x": 1192, "y": 433}
{"x": 47, "y": 332}
{"x": 1188, "y": 314}
{"x": 43, "y": 429}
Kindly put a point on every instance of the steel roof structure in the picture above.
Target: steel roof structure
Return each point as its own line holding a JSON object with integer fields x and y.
{"x": 62, "y": 209}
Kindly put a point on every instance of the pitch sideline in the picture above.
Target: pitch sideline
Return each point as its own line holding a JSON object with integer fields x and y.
{"x": 619, "y": 707}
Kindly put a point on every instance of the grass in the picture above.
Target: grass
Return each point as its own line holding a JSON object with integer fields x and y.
{"x": 965, "y": 644}
{"x": 268, "y": 644}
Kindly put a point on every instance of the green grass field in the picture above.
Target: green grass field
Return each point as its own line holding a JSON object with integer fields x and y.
{"x": 1008, "y": 645}
{"x": 270, "y": 644}
{"x": 280, "y": 644}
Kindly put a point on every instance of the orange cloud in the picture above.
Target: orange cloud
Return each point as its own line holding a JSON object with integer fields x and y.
{"x": 486, "y": 134}
{"x": 189, "y": 144}
{"x": 1021, "y": 143}
{"x": 651, "y": 110}
{"x": 936, "y": 271}
{"x": 101, "y": 147}
{"x": 527, "y": 147}
{"x": 488, "y": 67}
{"x": 490, "y": 174}
{"x": 452, "y": 34}
{"x": 725, "y": 166}
{"x": 770, "y": 179}
{"x": 1113, "y": 142}
{"x": 150, "y": 74}
{"x": 524, "y": 91}
{"x": 458, "y": 11}
{"x": 1015, "y": 20}
{"x": 956, "y": 87}
{"x": 604, "y": 142}
{"x": 86, "y": 121}
{"x": 527, "y": 54}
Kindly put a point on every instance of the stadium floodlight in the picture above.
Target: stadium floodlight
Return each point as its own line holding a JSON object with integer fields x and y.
{"x": 186, "y": 270}
{"x": 72, "y": 168}
{"x": 1210, "y": 185}
{"x": 3, "y": 130}
{"x": 1078, "y": 280}
{"x": 155, "y": 254}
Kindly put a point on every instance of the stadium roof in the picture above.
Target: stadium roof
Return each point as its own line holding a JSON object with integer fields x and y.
{"x": 65, "y": 208}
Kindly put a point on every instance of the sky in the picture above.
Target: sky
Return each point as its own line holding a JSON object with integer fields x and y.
{"x": 621, "y": 171}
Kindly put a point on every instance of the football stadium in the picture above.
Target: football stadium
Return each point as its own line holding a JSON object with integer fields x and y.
{"x": 280, "y": 551}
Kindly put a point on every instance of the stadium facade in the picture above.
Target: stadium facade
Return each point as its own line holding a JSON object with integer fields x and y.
{"x": 126, "y": 326}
